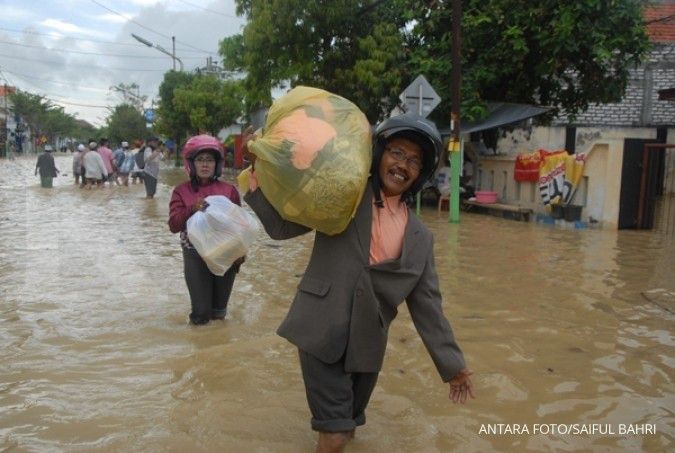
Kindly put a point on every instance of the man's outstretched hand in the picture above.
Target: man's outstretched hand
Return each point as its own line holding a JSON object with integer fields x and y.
{"x": 461, "y": 387}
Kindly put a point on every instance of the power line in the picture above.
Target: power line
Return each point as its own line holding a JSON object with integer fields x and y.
{"x": 49, "y": 97}
{"x": 93, "y": 53}
{"x": 82, "y": 65}
{"x": 59, "y": 35}
{"x": 24, "y": 76}
{"x": 148, "y": 28}
{"x": 81, "y": 105}
{"x": 2, "y": 75}
{"x": 209, "y": 10}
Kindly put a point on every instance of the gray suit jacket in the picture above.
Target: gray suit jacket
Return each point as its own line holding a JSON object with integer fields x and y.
{"x": 344, "y": 305}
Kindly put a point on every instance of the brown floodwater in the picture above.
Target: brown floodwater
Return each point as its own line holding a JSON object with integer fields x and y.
{"x": 559, "y": 326}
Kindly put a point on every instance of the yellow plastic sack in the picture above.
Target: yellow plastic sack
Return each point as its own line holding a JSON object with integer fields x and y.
{"x": 313, "y": 159}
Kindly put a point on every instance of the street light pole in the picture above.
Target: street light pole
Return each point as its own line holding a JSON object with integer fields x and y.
{"x": 172, "y": 54}
{"x": 162, "y": 49}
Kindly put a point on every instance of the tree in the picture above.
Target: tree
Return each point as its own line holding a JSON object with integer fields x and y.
{"x": 562, "y": 54}
{"x": 130, "y": 95}
{"x": 31, "y": 108}
{"x": 42, "y": 116}
{"x": 57, "y": 123}
{"x": 209, "y": 103}
{"x": 125, "y": 124}
{"x": 191, "y": 103}
{"x": 172, "y": 122}
{"x": 340, "y": 46}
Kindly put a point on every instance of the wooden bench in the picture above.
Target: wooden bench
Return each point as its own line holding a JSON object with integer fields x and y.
{"x": 507, "y": 210}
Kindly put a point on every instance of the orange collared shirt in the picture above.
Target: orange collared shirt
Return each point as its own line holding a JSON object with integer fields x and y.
{"x": 388, "y": 228}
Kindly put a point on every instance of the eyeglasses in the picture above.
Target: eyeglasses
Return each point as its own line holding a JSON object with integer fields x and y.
{"x": 397, "y": 153}
{"x": 208, "y": 160}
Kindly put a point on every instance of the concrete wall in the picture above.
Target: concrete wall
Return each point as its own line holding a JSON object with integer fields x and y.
{"x": 527, "y": 140}
{"x": 602, "y": 180}
{"x": 598, "y": 191}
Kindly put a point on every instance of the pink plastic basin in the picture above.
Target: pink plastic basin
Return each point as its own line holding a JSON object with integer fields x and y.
{"x": 486, "y": 197}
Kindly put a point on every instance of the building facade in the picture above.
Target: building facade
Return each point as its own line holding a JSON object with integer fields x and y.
{"x": 612, "y": 136}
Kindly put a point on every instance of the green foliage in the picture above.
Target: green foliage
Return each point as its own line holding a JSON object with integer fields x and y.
{"x": 126, "y": 123}
{"x": 337, "y": 45}
{"x": 191, "y": 104}
{"x": 85, "y": 131}
{"x": 171, "y": 122}
{"x": 561, "y": 54}
{"x": 42, "y": 117}
{"x": 209, "y": 103}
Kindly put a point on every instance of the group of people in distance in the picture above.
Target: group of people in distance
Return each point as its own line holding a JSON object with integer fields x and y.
{"x": 95, "y": 164}
{"x": 354, "y": 282}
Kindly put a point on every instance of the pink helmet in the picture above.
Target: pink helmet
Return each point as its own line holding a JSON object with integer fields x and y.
{"x": 200, "y": 143}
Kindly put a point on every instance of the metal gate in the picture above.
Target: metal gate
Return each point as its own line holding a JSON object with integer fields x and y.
{"x": 664, "y": 201}
{"x": 647, "y": 199}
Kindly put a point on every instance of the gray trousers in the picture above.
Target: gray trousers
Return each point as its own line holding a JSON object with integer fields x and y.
{"x": 150, "y": 185}
{"x": 209, "y": 293}
{"x": 337, "y": 399}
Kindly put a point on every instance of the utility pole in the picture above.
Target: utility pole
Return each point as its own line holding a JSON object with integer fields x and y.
{"x": 454, "y": 145}
{"x": 173, "y": 52}
{"x": 6, "y": 123}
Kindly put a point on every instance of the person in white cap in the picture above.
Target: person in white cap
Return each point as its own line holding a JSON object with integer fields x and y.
{"x": 77, "y": 163}
{"x": 95, "y": 171}
{"x": 47, "y": 168}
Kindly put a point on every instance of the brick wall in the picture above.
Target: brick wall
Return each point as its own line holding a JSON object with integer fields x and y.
{"x": 641, "y": 105}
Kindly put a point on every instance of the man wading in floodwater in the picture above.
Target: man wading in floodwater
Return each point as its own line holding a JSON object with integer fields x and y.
{"x": 47, "y": 168}
{"x": 355, "y": 281}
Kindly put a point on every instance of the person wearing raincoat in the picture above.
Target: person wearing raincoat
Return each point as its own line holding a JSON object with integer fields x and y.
{"x": 126, "y": 163}
{"x": 355, "y": 281}
{"x": 203, "y": 158}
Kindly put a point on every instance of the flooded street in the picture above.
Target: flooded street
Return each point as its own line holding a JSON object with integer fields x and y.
{"x": 559, "y": 326}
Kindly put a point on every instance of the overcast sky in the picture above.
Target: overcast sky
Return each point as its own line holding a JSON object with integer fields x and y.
{"x": 73, "y": 51}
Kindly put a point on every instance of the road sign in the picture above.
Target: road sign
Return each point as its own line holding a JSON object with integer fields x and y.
{"x": 149, "y": 115}
{"x": 420, "y": 97}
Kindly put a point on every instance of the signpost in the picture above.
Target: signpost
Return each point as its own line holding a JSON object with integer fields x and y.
{"x": 149, "y": 115}
{"x": 420, "y": 97}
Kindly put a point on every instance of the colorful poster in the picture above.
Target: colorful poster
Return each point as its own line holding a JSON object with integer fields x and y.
{"x": 559, "y": 176}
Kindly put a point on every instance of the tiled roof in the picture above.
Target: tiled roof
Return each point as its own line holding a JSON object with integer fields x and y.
{"x": 660, "y": 20}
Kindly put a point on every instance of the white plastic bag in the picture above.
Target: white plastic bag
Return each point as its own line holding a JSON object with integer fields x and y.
{"x": 221, "y": 233}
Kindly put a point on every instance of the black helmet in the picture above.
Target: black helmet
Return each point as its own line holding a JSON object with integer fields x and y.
{"x": 417, "y": 129}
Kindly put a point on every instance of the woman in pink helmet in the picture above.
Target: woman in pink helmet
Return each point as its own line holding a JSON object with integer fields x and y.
{"x": 203, "y": 157}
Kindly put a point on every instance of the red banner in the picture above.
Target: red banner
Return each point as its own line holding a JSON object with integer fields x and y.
{"x": 527, "y": 167}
